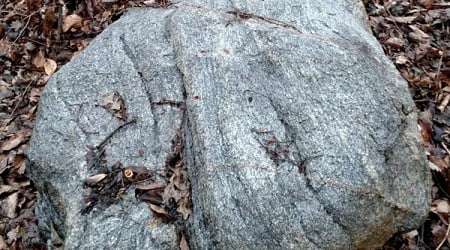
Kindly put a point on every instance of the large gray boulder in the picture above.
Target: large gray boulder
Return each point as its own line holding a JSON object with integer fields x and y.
{"x": 296, "y": 131}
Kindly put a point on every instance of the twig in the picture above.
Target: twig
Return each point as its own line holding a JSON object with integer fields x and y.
{"x": 445, "y": 147}
{"x": 60, "y": 21}
{"x": 26, "y": 25}
{"x": 436, "y": 79}
{"x": 445, "y": 238}
{"x": 21, "y": 99}
{"x": 107, "y": 138}
{"x": 247, "y": 15}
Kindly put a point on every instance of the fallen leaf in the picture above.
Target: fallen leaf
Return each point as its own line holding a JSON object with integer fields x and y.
{"x": 92, "y": 180}
{"x": 154, "y": 222}
{"x": 49, "y": 66}
{"x": 25, "y": 183}
{"x": 401, "y": 59}
{"x": 5, "y": 47}
{"x": 444, "y": 103}
{"x": 410, "y": 234}
{"x": 159, "y": 210}
{"x": 151, "y": 196}
{"x": 151, "y": 186}
{"x": 72, "y": 21}
{"x": 440, "y": 206}
{"x": 38, "y": 60}
{"x": 3, "y": 243}
{"x": 5, "y": 189}
{"x": 16, "y": 25}
{"x": 35, "y": 94}
{"x": 3, "y": 163}
{"x": 183, "y": 243}
{"x": 417, "y": 34}
{"x": 114, "y": 104}
{"x": 439, "y": 230}
{"x": 13, "y": 142}
{"x": 402, "y": 19}
{"x": 11, "y": 205}
{"x": 184, "y": 207}
{"x": 438, "y": 163}
{"x": 12, "y": 234}
{"x": 395, "y": 42}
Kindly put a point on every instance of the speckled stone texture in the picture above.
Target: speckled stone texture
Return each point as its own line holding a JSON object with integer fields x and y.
{"x": 298, "y": 132}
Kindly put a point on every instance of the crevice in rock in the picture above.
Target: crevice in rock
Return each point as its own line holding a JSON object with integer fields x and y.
{"x": 134, "y": 61}
{"x": 182, "y": 145}
{"x": 301, "y": 162}
{"x": 244, "y": 15}
{"x": 128, "y": 51}
{"x": 289, "y": 152}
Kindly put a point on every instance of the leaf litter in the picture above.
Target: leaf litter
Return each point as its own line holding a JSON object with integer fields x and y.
{"x": 415, "y": 35}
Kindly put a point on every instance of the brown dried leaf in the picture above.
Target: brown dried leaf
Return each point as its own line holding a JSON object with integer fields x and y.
{"x": 13, "y": 142}
{"x": 50, "y": 20}
{"x": 16, "y": 25}
{"x": 439, "y": 230}
{"x": 154, "y": 222}
{"x": 395, "y": 42}
{"x": 72, "y": 21}
{"x": 12, "y": 234}
{"x": 417, "y": 34}
{"x": 151, "y": 186}
{"x": 24, "y": 184}
{"x": 35, "y": 94}
{"x": 3, "y": 163}
{"x": 171, "y": 192}
{"x": 410, "y": 238}
{"x": 3, "y": 243}
{"x": 38, "y": 60}
{"x": 150, "y": 196}
{"x": 444, "y": 103}
{"x": 402, "y": 19}
{"x": 411, "y": 234}
{"x": 92, "y": 180}
{"x": 184, "y": 207}
{"x": 438, "y": 162}
{"x": 159, "y": 210}
{"x": 5, "y": 47}
{"x": 5, "y": 189}
{"x": 183, "y": 243}
{"x": 50, "y": 66}
{"x": 11, "y": 205}
{"x": 401, "y": 59}
{"x": 115, "y": 105}
{"x": 441, "y": 206}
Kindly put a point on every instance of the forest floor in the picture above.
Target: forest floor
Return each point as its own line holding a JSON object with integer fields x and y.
{"x": 38, "y": 37}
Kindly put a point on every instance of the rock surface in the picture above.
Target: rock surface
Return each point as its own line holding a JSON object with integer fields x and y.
{"x": 298, "y": 132}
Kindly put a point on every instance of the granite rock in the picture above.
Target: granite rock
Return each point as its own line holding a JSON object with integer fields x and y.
{"x": 297, "y": 131}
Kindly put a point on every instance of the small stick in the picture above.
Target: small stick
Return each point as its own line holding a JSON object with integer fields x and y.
{"x": 436, "y": 79}
{"x": 445, "y": 238}
{"x": 247, "y": 15}
{"x": 107, "y": 138}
